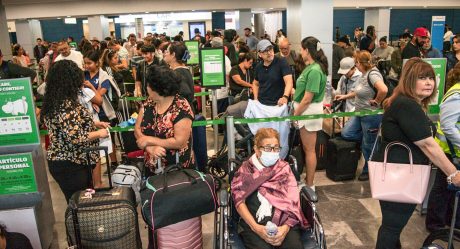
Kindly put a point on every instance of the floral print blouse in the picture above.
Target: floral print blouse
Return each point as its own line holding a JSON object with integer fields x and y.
{"x": 162, "y": 126}
{"x": 69, "y": 130}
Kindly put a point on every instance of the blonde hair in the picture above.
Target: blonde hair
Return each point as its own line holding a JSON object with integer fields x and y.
{"x": 364, "y": 58}
{"x": 264, "y": 133}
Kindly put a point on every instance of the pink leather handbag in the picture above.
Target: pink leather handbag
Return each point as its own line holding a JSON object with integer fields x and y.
{"x": 398, "y": 182}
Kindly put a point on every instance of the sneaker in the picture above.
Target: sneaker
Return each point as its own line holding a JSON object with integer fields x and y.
{"x": 363, "y": 177}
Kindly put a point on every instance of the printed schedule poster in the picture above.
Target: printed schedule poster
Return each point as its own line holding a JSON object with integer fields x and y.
{"x": 17, "y": 174}
{"x": 212, "y": 67}
{"x": 192, "y": 47}
{"x": 17, "y": 115}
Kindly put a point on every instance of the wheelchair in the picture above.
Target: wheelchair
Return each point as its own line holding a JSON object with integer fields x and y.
{"x": 225, "y": 229}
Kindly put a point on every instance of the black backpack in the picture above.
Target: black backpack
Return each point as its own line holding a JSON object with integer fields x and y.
{"x": 390, "y": 83}
{"x": 5, "y": 73}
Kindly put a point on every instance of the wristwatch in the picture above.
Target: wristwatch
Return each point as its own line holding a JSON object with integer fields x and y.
{"x": 449, "y": 178}
{"x": 285, "y": 96}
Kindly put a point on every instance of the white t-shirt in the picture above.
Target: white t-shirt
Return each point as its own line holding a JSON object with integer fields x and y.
{"x": 223, "y": 91}
{"x": 448, "y": 35}
{"x": 74, "y": 56}
{"x": 85, "y": 100}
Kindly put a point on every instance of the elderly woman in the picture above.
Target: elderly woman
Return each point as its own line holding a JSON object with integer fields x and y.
{"x": 164, "y": 124}
{"x": 264, "y": 189}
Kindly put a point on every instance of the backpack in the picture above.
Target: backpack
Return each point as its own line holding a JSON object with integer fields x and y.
{"x": 5, "y": 74}
{"x": 390, "y": 83}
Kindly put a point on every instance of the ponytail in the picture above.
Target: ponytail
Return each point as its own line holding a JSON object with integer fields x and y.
{"x": 314, "y": 49}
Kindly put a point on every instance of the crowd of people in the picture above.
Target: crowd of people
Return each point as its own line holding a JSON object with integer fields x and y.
{"x": 83, "y": 86}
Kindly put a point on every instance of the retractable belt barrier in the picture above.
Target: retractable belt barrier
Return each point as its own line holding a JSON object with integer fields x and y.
{"x": 260, "y": 120}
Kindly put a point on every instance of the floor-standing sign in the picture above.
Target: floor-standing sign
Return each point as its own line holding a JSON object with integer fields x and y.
{"x": 25, "y": 201}
{"x": 437, "y": 31}
{"x": 212, "y": 62}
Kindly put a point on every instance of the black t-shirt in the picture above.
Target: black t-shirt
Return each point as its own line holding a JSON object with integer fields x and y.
{"x": 271, "y": 82}
{"x": 186, "y": 88}
{"x": 248, "y": 77}
{"x": 365, "y": 43}
{"x": 405, "y": 121}
{"x": 17, "y": 241}
{"x": 410, "y": 51}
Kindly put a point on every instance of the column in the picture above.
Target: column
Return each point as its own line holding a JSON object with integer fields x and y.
{"x": 218, "y": 20}
{"x": 140, "y": 33}
{"x": 98, "y": 27}
{"x": 27, "y": 31}
{"x": 243, "y": 20}
{"x": 4, "y": 35}
{"x": 259, "y": 25}
{"x": 311, "y": 18}
{"x": 380, "y": 18}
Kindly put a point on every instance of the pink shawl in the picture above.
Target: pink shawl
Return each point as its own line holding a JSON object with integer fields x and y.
{"x": 277, "y": 184}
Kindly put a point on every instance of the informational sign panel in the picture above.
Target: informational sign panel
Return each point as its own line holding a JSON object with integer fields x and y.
{"x": 439, "y": 66}
{"x": 437, "y": 31}
{"x": 18, "y": 125}
{"x": 212, "y": 61}
{"x": 17, "y": 174}
{"x": 192, "y": 47}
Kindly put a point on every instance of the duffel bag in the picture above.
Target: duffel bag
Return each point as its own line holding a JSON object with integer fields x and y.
{"x": 176, "y": 195}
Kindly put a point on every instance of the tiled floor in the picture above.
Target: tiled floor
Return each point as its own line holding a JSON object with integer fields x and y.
{"x": 350, "y": 216}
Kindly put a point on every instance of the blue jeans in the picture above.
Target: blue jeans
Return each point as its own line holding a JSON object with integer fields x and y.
{"x": 363, "y": 129}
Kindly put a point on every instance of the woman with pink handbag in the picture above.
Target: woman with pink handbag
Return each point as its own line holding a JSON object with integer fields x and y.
{"x": 406, "y": 128}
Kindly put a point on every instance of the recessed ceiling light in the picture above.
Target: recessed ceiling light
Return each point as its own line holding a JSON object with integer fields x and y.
{"x": 214, "y": 11}
{"x": 357, "y": 7}
{"x": 58, "y": 18}
{"x": 69, "y": 16}
{"x": 271, "y": 8}
{"x": 193, "y": 10}
{"x": 147, "y": 12}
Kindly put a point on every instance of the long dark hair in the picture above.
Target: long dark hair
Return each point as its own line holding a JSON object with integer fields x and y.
{"x": 63, "y": 82}
{"x": 311, "y": 44}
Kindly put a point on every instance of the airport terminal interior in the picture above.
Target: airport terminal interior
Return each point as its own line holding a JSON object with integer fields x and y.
{"x": 229, "y": 124}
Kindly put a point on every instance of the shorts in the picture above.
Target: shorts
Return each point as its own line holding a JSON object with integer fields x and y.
{"x": 312, "y": 124}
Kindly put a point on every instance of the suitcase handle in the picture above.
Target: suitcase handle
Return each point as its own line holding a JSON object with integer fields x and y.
{"x": 76, "y": 225}
{"x": 109, "y": 170}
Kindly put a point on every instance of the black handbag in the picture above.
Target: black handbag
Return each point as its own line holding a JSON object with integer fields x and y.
{"x": 176, "y": 195}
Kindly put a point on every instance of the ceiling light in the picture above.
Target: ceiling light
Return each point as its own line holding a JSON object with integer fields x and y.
{"x": 69, "y": 16}
{"x": 58, "y": 18}
{"x": 147, "y": 12}
{"x": 213, "y": 11}
{"x": 193, "y": 10}
{"x": 271, "y": 8}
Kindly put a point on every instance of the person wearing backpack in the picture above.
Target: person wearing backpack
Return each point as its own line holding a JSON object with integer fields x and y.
{"x": 370, "y": 91}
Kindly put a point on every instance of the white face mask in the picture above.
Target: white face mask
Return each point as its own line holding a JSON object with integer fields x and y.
{"x": 269, "y": 159}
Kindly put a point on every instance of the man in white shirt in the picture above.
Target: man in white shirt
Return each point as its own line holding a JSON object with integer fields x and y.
{"x": 447, "y": 36}
{"x": 130, "y": 45}
{"x": 65, "y": 53}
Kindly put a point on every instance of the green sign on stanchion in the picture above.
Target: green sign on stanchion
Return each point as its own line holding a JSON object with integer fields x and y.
{"x": 18, "y": 125}
{"x": 17, "y": 174}
{"x": 192, "y": 47}
{"x": 212, "y": 62}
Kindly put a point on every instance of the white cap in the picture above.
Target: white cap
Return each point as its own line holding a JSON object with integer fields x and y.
{"x": 346, "y": 64}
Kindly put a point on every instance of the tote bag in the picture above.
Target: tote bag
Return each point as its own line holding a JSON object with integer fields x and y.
{"x": 398, "y": 182}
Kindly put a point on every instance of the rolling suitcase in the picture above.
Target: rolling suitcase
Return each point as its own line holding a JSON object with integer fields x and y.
{"x": 322, "y": 140}
{"x": 342, "y": 159}
{"x": 103, "y": 218}
{"x": 182, "y": 235}
{"x": 199, "y": 144}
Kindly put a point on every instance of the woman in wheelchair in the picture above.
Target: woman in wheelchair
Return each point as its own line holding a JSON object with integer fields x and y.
{"x": 265, "y": 189}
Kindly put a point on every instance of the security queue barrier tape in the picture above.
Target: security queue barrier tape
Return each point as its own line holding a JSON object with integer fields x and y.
{"x": 259, "y": 120}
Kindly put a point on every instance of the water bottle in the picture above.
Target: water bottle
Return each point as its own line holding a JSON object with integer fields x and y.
{"x": 271, "y": 229}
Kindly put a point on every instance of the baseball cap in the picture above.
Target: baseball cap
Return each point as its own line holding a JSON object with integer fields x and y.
{"x": 420, "y": 31}
{"x": 345, "y": 40}
{"x": 263, "y": 45}
{"x": 346, "y": 64}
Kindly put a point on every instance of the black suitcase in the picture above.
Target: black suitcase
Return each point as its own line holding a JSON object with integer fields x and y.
{"x": 342, "y": 159}
{"x": 199, "y": 144}
{"x": 322, "y": 140}
{"x": 107, "y": 219}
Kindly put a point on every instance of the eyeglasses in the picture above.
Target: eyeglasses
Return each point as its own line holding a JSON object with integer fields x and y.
{"x": 268, "y": 50}
{"x": 269, "y": 148}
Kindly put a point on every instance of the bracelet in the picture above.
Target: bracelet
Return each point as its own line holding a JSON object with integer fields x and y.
{"x": 286, "y": 97}
{"x": 449, "y": 178}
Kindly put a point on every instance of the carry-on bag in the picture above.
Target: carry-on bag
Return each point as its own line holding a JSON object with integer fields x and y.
{"x": 199, "y": 144}
{"x": 103, "y": 218}
{"x": 176, "y": 195}
{"x": 128, "y": 176}
{"x": 182, "y": 235}
{"x": 342, "y": 159}
{"x": 398, "y": 182}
